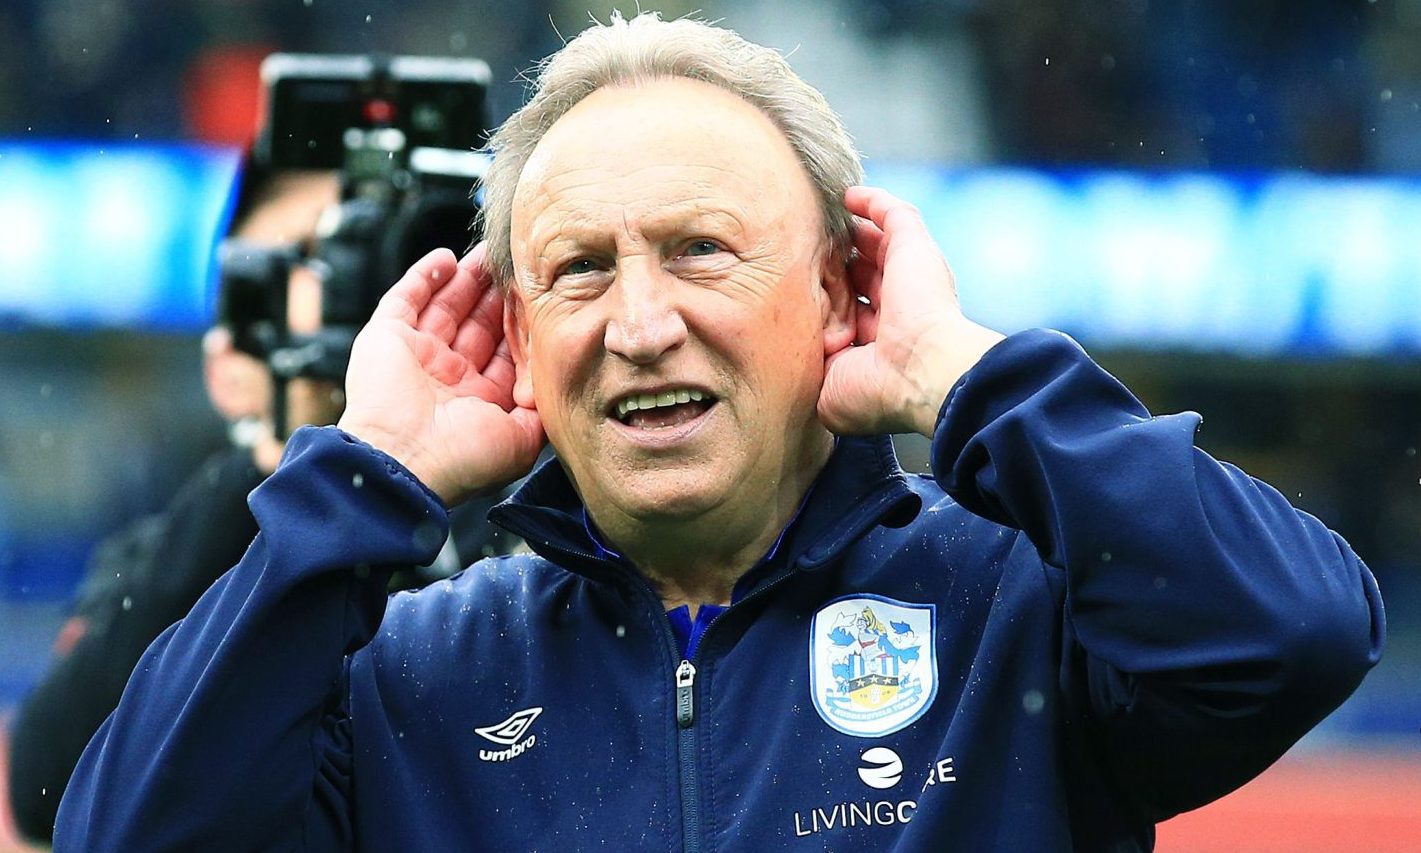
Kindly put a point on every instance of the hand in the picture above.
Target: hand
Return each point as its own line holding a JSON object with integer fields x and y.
{"x": 238, "y": 384}
{"x": 431, "y": 382}
{"x": 912, "y": 342}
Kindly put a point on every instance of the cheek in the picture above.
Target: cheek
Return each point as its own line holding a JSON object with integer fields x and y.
{"x": 778, "y": 349}
{"x": 564, "y": 352}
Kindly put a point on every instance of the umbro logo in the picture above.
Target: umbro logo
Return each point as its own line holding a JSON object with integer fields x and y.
{"x": 509, "y": 733}
{"x": 510, "y": 730}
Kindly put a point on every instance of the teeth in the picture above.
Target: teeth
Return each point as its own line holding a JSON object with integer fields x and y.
{"x": 642, "y": 402}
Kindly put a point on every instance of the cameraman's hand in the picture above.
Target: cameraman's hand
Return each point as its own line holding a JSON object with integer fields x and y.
{"x": 431, "y": 382}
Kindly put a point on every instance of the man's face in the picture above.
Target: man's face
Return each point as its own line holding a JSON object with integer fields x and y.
{"x": 668, "y": 246}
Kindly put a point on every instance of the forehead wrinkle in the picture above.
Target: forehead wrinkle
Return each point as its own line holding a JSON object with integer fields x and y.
{"x": 652, "y": 157}
{"x": 594, "y": 222}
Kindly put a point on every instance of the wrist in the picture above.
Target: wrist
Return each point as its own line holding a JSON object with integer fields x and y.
{"x": 410, "y": 454}
{"x": 941, "y": 368}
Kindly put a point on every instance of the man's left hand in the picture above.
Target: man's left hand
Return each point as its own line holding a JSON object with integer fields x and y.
{"x": 912, "y": 342}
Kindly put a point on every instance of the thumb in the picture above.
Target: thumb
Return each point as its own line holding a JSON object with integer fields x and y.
{"x": 848, "y": 397}
{"x": 530, "y": 428}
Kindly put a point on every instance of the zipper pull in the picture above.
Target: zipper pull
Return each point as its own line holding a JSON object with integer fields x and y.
{"x": 685, "y": 698}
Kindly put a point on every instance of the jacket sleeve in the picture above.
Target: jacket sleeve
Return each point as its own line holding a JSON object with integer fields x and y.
{"x": 231, "y": 732}
{"x": 1207, "y": 623}
{"x": 140, "y": 581}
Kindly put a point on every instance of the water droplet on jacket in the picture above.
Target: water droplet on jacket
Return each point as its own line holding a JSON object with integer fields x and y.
{"x": 358, "y": 480}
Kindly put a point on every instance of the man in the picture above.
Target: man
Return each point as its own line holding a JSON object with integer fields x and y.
{"x": 147, "y": 576}
{"x": 744, "y": 628}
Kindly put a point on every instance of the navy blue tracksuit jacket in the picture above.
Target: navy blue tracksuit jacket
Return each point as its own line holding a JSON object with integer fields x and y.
{"x": 1079, "y": 625}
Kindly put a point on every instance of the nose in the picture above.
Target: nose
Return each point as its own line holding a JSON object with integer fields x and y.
{"x": 645, "y": 323}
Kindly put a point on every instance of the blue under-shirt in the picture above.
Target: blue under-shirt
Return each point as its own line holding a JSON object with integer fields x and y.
{"x": 688, "y": 633}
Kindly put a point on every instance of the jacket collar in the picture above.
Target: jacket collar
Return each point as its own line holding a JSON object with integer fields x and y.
{"x": 861, "y": 486}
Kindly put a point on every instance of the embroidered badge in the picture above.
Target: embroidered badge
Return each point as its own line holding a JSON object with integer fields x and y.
{"x": 872, "y": 663}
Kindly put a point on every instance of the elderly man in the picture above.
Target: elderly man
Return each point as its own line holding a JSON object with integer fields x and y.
{"x": 743, "y": 628}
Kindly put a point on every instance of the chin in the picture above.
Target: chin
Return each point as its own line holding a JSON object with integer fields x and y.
{"x": 662, "y": 496}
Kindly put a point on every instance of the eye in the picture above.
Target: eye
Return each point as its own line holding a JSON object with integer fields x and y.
{"x": 580, "y": 266}
{"x": 701, "y": 248}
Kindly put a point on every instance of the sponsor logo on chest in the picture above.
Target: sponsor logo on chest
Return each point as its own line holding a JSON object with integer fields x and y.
{"x": 879, "y": 768}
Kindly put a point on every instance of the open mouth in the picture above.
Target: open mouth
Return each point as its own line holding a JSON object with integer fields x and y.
{"x": 662, "y": 410}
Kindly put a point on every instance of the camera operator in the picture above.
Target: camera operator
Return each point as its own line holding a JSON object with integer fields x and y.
{"x": 273, "y": 364}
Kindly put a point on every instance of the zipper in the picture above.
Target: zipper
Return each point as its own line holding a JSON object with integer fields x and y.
{"x": 685, "y": 694}
{"x": 683, "y": 684}
{"x": 685, "y": 681}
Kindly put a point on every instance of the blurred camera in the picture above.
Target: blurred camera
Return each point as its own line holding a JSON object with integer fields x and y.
{"x": 402, "y": 133}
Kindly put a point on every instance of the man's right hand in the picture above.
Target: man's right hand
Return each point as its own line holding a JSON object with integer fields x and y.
{"x": 431, "y": 382}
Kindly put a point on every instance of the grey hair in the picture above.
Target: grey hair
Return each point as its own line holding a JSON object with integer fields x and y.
{"x": 646, "y": 48}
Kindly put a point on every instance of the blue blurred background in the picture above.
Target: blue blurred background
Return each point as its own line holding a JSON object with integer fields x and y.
{"x": 1221, "y": 200}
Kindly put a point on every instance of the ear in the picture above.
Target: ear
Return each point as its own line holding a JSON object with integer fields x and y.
{"x": 515, "y": 331}
{"x": 838, "y": 308}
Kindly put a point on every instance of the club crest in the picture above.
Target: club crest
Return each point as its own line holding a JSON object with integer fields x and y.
{"x": 872, "y": 663}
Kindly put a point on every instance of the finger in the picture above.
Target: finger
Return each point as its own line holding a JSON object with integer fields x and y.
{"x": 500, "y": 370}
{"x": 453, "y": 300}
{"x": 488, "y": 313}
{"x": 445, "y": 365}
{"x": 476, "y": 257}
{"x": 889, "y": 212}
{"x": 868, "y": 240}
{"x": 408, "y": 297}
{"x": 217, "y": 341}
{"x": 530, "y": 428}
{"x": 867, "y": 279}
{"x": 905, "y": 234}
{"x": 481, "y": 332}
{"x": 866, "y": 323}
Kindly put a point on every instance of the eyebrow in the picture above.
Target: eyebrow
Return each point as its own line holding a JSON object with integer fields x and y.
{"x": 576, "y": 232}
